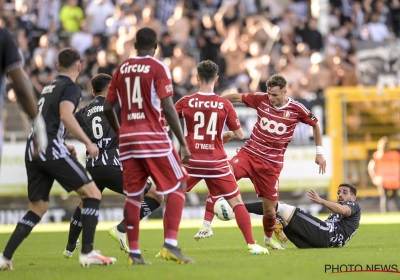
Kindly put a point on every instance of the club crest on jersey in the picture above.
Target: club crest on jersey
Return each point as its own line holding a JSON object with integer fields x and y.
{"x": 236, "y": 160}
{"x": 286, "y": 114}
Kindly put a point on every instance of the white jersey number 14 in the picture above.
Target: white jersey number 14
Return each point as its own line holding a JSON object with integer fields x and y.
{"x": 136, "y": 95}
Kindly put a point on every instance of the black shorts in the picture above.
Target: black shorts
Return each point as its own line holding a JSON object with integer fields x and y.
{"x": 68, "y": 172}
{"x": 307, "y": 231}
{"x": 110, "y": 177}
{"x": 107, "y": 176}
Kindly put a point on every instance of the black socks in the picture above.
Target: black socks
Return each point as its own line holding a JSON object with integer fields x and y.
{"x": 22, "y": 230}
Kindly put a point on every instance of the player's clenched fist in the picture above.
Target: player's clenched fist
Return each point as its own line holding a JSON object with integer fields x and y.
{"x": 185, "y": 154}
{"x": 92, "y": 150}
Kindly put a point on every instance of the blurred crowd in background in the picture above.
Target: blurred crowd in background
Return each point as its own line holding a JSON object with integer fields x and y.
{"x": 249, "y": 40}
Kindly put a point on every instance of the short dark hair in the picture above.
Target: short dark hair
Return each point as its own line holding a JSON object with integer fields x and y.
{"x": 276, "y": 81}
{"x": 353, "y": 190}
{"x": 146, "y": 38}
{"x": 207, "y": 70}
{"x": 67, "y": 57}
{"x": 100, "y": 83}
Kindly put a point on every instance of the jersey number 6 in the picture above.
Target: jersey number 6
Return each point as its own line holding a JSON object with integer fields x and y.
{"x": 97, "y": 128}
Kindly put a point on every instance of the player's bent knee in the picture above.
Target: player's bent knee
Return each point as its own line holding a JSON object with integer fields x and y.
{"x": 89, "y": 190}
{"x": 159, "y": 198}
{"x": 39, "y": 207}
{"x": 234, "y": 201}
{"x": 269, "y": 210}
{"x": 151, "y": 193}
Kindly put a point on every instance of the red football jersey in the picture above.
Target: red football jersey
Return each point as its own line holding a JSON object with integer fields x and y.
{"x": 205, "y": 115}
{"x": 139, "y": 84}
{"x": 275, "y": 126}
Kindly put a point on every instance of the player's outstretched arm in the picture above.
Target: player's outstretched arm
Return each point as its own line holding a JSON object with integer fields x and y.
{"x": 319, "y": 158}
{"x": 72, "y": 125}
{"x": 172, "y": 119}
{"x": 110, "y": 115}
{"x": 237, "y": 134}
{"x": 27, "y": 99}
{"x": 333, "y": 206}
{"x": 235, "y": 97}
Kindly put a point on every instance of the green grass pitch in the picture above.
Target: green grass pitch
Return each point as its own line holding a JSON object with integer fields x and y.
{"x": 224, "y": 256}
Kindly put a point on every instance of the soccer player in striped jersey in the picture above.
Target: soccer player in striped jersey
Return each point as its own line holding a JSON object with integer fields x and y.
{"x": 261, "y": 158}
{"x": 205, "y": 115}
{"x": 106, "y": 169}
{"x": 57, "y": 103}
{"x": 142, "y": 85}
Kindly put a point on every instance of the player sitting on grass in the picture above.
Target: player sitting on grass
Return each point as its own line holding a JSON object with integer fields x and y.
{"x": 307, "y": 231}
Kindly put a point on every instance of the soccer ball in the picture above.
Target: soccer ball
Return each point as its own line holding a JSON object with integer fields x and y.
{"x": 223, "y": 210}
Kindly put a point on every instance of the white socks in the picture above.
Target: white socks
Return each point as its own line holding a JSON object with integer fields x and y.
{"x": 285, "y": 210}
{"x": 206, "y": 224}
{"x": 171, "y": 241}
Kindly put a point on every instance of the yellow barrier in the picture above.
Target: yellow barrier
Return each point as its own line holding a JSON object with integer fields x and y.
{"x": 356, "y": 117}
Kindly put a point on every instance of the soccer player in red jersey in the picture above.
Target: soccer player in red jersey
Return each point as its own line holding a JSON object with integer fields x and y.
{"x": 261, "y": 158}
{"x": 142, "y": 85}
{"x": 205, "y": 115}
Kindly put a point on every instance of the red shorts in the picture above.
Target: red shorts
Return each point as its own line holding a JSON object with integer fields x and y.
{"x": 263, "y": 175}
{"x": 166, "y": 172}
{"x": 225, "y": 186}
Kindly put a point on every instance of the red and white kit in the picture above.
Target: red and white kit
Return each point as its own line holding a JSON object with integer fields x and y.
{"x": 205, "y": 116}
{"x": 261, "y": 158}
{"x": 139, "y": 84}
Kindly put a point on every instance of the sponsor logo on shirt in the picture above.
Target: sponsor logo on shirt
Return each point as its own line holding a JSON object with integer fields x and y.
{"x": 238, "y": 122}
{"x": 168, "y": 88}
{"x": 127, "y": 68}
{"x": 272, "y": 126}
{"x": 195, "y": 103}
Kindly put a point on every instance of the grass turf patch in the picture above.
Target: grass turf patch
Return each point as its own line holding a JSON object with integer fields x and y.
{"x": 224, "y": 256}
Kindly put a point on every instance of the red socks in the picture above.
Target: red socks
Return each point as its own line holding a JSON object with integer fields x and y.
{"x": 243, "y": 222}
{"x": 269, "y": 225}
{"x": 209, "y": 214}
{"x": 132, "y": 219}
{"x": 173, "y": 213}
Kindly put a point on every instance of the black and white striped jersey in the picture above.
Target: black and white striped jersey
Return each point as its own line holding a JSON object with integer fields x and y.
{"x": 93, "y": 122}
{"x": 61, "y": 89}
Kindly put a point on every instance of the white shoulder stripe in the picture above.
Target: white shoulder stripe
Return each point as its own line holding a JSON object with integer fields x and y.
{"x": 301, "y": 106}
{"x": 167, "y": 71}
